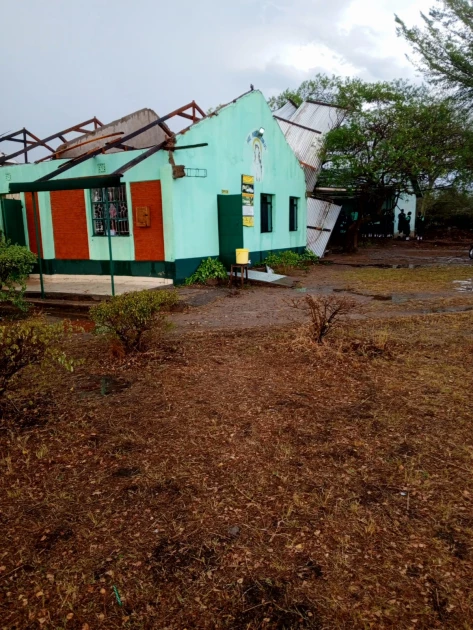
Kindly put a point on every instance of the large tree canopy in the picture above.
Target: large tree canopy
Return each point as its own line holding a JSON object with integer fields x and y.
{"x": 444, "y": 46}
{"x": 395, "y": 136}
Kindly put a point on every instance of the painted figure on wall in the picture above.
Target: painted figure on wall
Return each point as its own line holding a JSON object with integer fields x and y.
{"x": 257, "y": 159}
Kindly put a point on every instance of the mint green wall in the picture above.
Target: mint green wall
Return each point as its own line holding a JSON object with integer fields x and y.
{"x": 190, "y": 203}
{"x": 46, "y": 221}
{"x": 227, "y": 158}
{"x": 123, "y": 246}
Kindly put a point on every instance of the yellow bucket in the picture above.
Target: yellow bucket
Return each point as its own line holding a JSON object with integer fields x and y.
{"x": 242, "y": 256}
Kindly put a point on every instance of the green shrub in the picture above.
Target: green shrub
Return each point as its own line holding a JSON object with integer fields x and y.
{"x": 16, "y": 263}
{"x": 127, "y": 317}
{"x": 209, "y": 269}
{"x": 31, "y": 342}
{"x": 310, "y": 257}
{"x": 289, "y": 259}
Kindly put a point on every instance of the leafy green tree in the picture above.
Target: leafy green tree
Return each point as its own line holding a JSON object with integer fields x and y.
{"x": 444, "y": 46}
{"x": 394, "y": 135}
{"x": 397, "y": 137}
{"x": 321, "y": 88}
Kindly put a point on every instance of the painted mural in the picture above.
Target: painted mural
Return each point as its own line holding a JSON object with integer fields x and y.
{"x": 258, "y": 147}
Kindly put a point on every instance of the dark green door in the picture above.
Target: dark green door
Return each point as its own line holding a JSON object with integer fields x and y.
{"x": 12, "y": 215}
{"x": 230, "y": 227}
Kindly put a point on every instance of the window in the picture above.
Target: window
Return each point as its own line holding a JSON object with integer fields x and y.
{"x": 293, "y": 206}
{"x": 110, "y": 204}
{"x": 266, "y": 213}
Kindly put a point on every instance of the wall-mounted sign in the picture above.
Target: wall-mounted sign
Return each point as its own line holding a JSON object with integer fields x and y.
{"x": 248, "y": 199}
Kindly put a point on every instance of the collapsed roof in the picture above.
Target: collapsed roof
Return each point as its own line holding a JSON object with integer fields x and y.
{"x": 141, "y": 129}
{"x": 305, "y": 128}
{"x": 131, "y": 122}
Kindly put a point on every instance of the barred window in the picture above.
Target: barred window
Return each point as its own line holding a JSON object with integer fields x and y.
{"x": 109, "y": 204}
{"x": 266, "y": 213}
{"x": 293, "y": 207}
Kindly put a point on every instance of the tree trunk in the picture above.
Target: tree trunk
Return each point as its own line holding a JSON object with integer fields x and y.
{"x": 351, "y": 239}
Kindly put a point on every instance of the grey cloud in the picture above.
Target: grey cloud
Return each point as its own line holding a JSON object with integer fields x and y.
{"x": 63, "y": 62}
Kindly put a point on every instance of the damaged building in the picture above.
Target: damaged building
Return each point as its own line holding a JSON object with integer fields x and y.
{"x": 154, "y": 202}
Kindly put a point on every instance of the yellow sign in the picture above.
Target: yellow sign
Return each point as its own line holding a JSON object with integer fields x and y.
{"x": 248, "y": 179}
{"x": 224, "y": 192}
{"x": 248, "y": 221}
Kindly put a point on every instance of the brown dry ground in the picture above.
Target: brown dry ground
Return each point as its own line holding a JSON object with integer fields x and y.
{"x": 240, "y": 479}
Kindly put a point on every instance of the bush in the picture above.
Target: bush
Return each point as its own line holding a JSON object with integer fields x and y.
{"x": 127, "y": 317}
{"x": 16, "y": 263}
{"x": 31, "y": 342}
{"x": 325, "y": 313}
{"x": 209, "y": 269}
{"x": 287, "y": 260}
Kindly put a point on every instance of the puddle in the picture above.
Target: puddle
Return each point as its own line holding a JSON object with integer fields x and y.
{"x": 447, "y": 309}
{"x": 465, "y": 286}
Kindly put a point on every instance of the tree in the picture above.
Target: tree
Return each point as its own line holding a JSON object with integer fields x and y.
{"x": 395, "y": 135}
{"x": 398, "y": 136}
{"x": 321, "y": 88}
{"x": 444, "y": 47}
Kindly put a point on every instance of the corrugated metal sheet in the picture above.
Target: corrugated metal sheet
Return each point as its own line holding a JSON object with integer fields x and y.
{"x": 306, "y": 144}
{"x": 317, "y": 116}
{"x": 286, "y": 111}
{"x": 307, "y": 147}
{"x": 321, "y": 219}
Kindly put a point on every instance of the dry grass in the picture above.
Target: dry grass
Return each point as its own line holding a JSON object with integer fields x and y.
{"x": 423, "y": 280}
{"x": 243, "y": 481}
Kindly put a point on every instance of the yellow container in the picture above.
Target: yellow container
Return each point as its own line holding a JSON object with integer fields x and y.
{"x": 242, "y": 256}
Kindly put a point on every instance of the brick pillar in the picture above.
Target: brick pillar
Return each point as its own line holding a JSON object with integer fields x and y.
{"x": 30, "y": 221}
{"x": 68, "y": 210}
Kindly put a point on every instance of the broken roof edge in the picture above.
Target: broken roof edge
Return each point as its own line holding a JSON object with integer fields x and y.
{"x": 71, "y": 143}
{"x": 324, "y": 104}
{"x": 290, "y": 100}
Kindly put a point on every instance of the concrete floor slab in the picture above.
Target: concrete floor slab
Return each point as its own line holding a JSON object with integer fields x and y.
{"x": 94, "y": 285}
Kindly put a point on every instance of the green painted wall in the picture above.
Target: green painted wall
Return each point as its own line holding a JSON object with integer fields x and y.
{"x": 123, "y": 246}
{"x": 228, "y": 157}
{"x": 190, "y": 213}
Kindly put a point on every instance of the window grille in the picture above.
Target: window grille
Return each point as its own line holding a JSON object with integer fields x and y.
{"x": 110, "y": 204}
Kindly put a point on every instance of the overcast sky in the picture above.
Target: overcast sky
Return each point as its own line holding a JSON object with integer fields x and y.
{"x": 64, "y": 61}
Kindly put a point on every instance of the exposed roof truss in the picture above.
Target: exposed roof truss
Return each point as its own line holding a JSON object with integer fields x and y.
{"x": 30, "y": 141}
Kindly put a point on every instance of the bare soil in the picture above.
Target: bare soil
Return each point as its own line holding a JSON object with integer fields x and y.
{"x": 235, "y": 476}
{"x": 418, "y": 279}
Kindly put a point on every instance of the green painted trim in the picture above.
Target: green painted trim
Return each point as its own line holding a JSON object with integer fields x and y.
{"x": 75, "y": 183}
{"x": 151, "y": 269}
{"x": 177, "y": 271}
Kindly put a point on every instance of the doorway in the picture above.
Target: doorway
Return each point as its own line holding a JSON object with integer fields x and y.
{"x": 12, "y": 217}
{"x": 230, "y": 227}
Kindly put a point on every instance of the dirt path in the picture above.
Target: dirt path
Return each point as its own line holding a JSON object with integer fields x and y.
{"x": 417, "y": 283}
